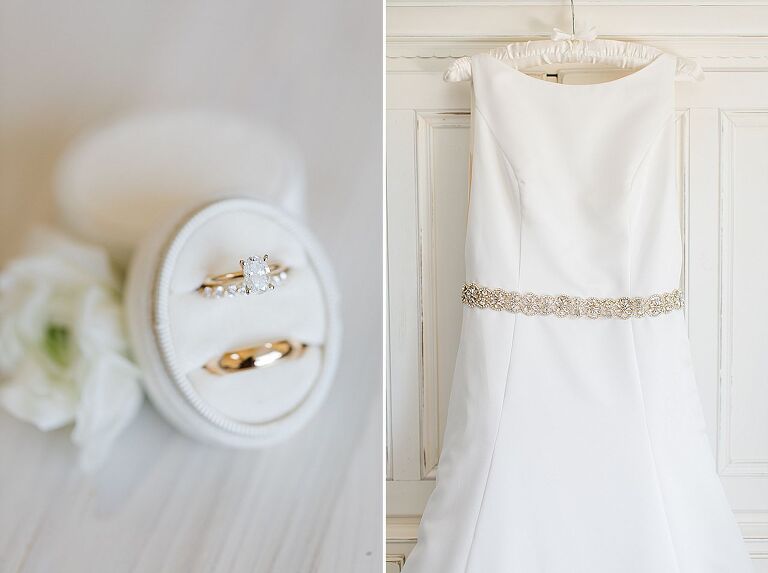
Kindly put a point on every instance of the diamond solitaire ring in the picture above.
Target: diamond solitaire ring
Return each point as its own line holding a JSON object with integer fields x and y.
{"x": 260, "y": 356}
{"x": 257, "y": 275}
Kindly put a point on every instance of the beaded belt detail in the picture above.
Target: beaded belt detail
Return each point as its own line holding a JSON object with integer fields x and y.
{"x": 478, "y": 296}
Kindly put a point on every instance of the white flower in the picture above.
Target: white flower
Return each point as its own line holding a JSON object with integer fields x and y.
{"x": 63, "y": 351}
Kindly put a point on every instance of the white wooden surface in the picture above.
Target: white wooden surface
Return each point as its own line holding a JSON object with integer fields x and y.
{"x": 162, "y": 502}
{"x": 722, "y": 145}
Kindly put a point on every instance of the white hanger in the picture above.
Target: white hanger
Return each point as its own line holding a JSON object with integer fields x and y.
{"x": 576, "y": 47}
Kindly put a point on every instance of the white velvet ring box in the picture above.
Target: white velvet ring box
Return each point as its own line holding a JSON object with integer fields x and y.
{"x": 132, "y": 184}
{"x": 175, "y": 330}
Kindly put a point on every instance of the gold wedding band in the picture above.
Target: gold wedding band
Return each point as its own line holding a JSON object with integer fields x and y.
{"x": 260, "y": 356}
{"x": 256, "y": 275}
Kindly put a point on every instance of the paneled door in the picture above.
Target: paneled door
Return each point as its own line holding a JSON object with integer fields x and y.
{"x": 723, "y": 187}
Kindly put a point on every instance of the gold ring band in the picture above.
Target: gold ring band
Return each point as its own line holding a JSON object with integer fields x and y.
{"x": 256, "y": 275}
{"x": 259, "y": 356}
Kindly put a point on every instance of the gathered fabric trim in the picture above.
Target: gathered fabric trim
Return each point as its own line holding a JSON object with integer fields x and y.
{"x": 521, "y": 55}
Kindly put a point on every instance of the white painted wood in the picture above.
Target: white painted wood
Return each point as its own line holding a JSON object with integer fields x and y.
{"x": 703, "y": 278}
{"x": 613, "y": 20}
{"x": 401, "y": 537}
{"x": 443, "y": 199}
{"x": 404, "y": 306}
{"x": 395, "y": 562}
{"x": 722, "y": 143}
{"x": 743, "y": 446}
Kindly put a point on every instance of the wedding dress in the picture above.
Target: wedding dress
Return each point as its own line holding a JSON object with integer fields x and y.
{"x": 575, "y": 440}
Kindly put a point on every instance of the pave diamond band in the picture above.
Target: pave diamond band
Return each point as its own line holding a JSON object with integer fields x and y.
{"x": 256, "y": 275}
{"x": 562, "y": 305}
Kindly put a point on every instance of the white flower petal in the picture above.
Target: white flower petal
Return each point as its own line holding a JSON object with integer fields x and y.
{"x": 63, "y": 345}
{"x": 98, "y": 324}
{"x": 30, "y": 396}
{"x": 110, "y": 398}
{"x": 22, "y": 320}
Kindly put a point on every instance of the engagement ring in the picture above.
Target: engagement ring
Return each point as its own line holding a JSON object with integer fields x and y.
{"x": 256, "y": 275}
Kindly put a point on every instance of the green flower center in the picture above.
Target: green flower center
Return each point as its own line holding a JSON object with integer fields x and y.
{"x": 57, "y": 344}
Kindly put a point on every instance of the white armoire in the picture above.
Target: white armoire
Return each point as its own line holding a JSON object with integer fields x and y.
{"x": 723, "y": 186}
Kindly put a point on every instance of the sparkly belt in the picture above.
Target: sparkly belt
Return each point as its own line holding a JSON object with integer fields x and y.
{"x": 563, "y": 305}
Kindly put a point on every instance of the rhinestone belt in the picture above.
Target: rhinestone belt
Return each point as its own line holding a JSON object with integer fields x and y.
{"x": 563, "y": 305}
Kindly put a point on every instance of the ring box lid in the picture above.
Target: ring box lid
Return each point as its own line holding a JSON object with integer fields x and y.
{"x": 114, "y": 184}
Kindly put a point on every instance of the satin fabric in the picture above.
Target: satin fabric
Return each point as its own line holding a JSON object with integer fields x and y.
{"x": 575, "y": 445}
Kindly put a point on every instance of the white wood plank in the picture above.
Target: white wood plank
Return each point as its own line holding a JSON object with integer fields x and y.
{"x": 743, "y": 447}
{"x": 625, "y": 20}
{"x": 404, "y": 295}
{"x": 443, "y": 184}
{"x": 703, "y": 288}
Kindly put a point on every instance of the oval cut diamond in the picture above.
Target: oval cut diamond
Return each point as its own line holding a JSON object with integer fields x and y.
{"x": 256, "y": 276}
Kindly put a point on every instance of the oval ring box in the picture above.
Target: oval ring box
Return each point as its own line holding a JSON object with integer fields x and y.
{"x": 175, "y": 330}
{"x": 127, "y": 183}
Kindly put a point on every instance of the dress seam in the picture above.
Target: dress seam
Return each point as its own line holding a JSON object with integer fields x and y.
{"x": 631, "y": 215}
{"x": 500, "y": 147}
{"x": 650, "y": 448}
{"x": 493, "y": 448}
{"x": 654, "y": 140}
{"x": 511, "y": 342}
{"x": 646, "y": 154}
{"x": 519, "y": 193}
{"x": 649, "y": 148}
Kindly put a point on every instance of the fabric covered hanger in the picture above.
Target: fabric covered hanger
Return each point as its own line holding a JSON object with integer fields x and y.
{"x": 576, "y": 47}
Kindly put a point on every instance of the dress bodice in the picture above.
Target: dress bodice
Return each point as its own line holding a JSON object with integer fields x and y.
{"x": 573, "y": 187}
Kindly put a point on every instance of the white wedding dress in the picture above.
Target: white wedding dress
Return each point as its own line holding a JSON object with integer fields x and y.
{"x": 575, "y": 445}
